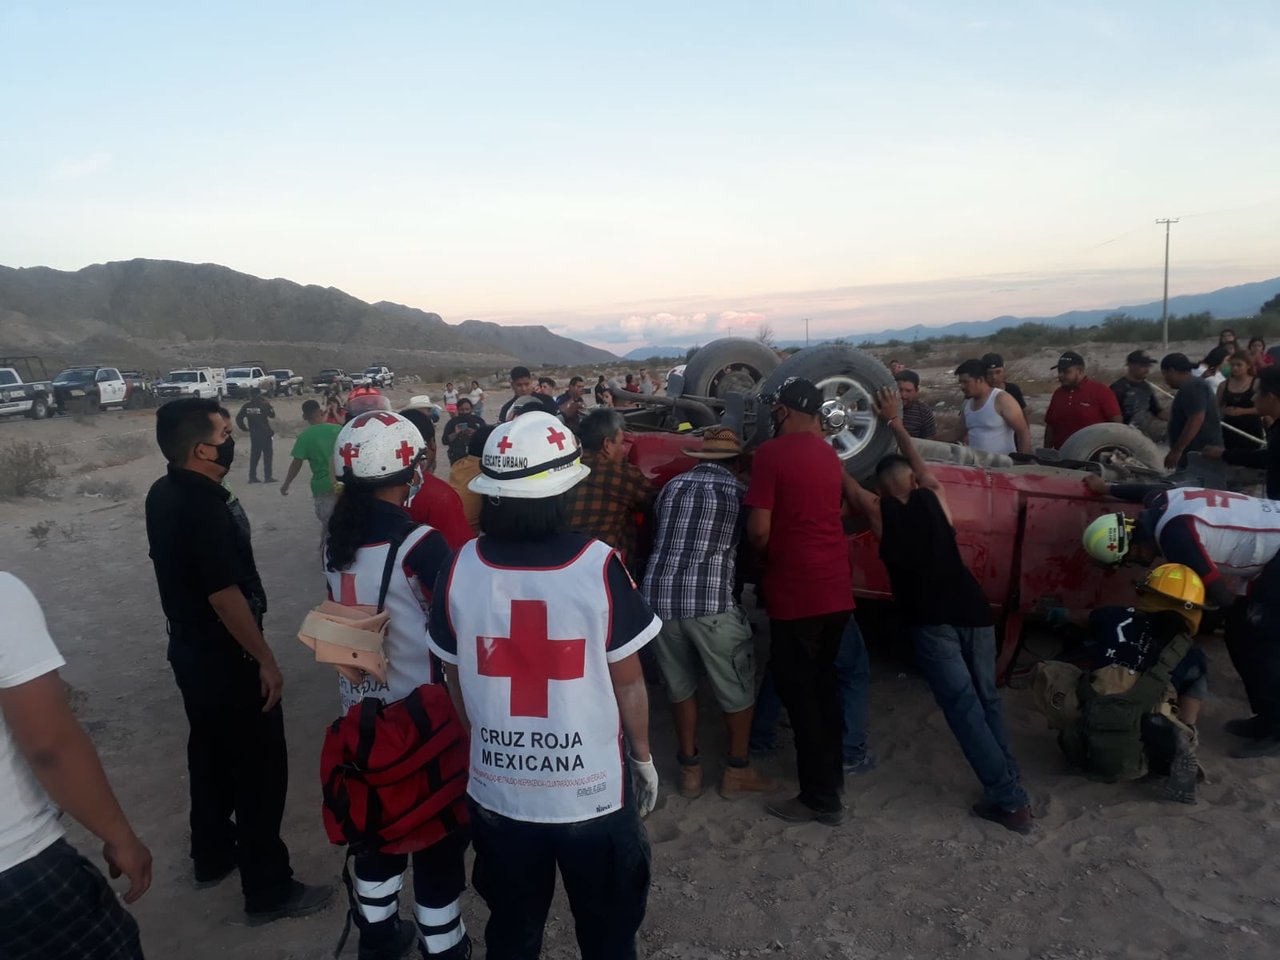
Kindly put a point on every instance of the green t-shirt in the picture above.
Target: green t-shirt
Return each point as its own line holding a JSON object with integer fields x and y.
{"x": 315, "y": 445}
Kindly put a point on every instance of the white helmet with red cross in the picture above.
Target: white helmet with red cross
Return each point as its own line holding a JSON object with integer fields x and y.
{"x": 531, "y": 457}
{"x": 379, "y": 448}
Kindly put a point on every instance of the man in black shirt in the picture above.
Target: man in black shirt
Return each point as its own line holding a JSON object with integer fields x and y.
{"x": 1137, "y": 398}
{"x": 255, "y": 416}
{"x": 942, "y": 604}
{"x": 1195, "y": 422}
{"x": 214, "y": 602}
{"x": 459, "y": 430}
{"x": 993, "y": 364}
{"x": 522, "y": 386}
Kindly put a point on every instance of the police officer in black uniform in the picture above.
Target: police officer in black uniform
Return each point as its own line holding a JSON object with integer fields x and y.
{"x": 214, "y": 602}
{"x": 255, "y": 416}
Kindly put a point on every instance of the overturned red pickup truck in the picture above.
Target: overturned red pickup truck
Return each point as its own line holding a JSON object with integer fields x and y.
{"x": 1018, "y": 519}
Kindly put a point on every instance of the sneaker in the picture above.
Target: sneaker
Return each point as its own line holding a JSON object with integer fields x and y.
{"x": 395, "y": 947}
{"x": 796, "y": 811}
{"x": 254, "y": 480}
{"x": 739, "y": 780}
{"x": 303, "y": 900}
{"x": 1265, "y": 746}
{"x": 1251, "y": 728}
{"x": 690, "y": 781}
{"x": 865, "y": 765}
{"x": 1180, "y": 787}
{"x": 271, "y": 480}
{"x": 207, "y": 876}
{"x": 1019, "y": 821}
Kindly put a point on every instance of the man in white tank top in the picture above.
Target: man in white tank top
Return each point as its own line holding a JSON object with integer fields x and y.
{"x": 993, "y": 421}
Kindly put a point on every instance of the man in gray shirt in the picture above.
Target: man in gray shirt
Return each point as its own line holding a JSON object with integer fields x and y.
{"x": 1194, "y": 420}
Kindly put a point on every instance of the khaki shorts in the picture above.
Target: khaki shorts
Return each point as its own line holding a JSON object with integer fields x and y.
{"x": 722, "y": 644}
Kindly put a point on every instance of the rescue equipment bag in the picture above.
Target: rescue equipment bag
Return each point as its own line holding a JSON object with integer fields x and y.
{"x": 350, "y": 636}
{"x": 1106, "y": 739}
{"x": 394, "y": 775}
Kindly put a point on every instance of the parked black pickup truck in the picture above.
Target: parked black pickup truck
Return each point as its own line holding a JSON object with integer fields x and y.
{"x": 21, "y": 392}
{"x": 329, "y": 379}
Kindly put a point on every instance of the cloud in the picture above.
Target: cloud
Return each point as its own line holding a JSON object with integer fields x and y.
{"x": 76, "y": 168}
{"x": 663, "y": 326}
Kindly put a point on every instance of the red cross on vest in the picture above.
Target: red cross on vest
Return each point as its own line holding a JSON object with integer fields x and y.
{"x": 530, "y": 658}
{"x": 348, "y": 452}
{"x": 348, "y": 587}
{"x": 556, "y": 437}
{"x": 1215, "y": 498}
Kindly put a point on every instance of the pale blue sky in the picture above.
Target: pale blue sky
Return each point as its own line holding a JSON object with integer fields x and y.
{"x": 649, "y": 171}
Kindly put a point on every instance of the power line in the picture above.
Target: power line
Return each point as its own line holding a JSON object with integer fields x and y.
{"x": 1164, "y": 313}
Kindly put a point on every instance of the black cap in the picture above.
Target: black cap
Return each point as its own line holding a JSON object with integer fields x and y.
{"x": 1068, "y": 360}
{"x": 992, "y": 360}
{"x": 797, "y": 394}
{"x": 1138, "y": 356}
{"x": 1177, "y": 361}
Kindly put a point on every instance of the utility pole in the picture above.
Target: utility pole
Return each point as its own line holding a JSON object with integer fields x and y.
{"x": 1164, "y": 313}
{"x": 806, "y": 331}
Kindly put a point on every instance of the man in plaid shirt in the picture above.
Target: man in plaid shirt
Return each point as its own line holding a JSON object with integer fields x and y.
{"x": 689, "y": 585}
{"x": 605, "y": 504}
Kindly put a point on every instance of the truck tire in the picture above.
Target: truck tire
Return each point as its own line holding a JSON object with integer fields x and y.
{"x": 39, "y": 408}
{"x": 862, "y": 441}
{"x": 1095, "y": 442}
{"x": 747, "y": 362}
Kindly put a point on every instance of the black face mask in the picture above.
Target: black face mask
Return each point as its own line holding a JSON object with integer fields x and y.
{"x": 226, "y": 452}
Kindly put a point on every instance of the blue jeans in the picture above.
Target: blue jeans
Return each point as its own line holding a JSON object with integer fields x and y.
{"x": 960, "y": 665}
{"x": 853, "y": 674}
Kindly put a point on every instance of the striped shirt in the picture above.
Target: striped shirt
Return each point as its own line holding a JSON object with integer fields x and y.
{"x": 696, "y": 532}
{"x": 918, "y": 420}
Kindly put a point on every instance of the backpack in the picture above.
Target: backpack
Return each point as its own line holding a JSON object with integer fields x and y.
{"x": 1106, "y": 739}
{"x": 394, "y": 775}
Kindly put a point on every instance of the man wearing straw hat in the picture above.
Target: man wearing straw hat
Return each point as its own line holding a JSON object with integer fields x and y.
{"x": 689, "y": 585}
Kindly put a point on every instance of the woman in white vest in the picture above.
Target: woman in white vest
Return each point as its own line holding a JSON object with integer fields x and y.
{"x": 539, "y": 629}
{"x": 378, "y": 456}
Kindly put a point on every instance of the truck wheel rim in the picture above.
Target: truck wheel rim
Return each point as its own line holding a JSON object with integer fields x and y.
{"x": 848, "y": 417}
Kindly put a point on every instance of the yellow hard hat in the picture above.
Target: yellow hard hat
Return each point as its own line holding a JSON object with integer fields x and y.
{"x": 1177, "y": 582}
{"x": 1106, "y": 540}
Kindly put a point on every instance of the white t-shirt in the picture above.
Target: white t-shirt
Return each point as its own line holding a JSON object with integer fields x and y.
{"x": 28, "y": 818}
{"x": 451, "y": 396}
{"x": 477, "y": 396}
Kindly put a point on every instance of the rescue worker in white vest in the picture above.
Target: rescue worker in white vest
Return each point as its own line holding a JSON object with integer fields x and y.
{"x": 1134, "y": 710}
{"x": 539, "y": 629}
{"x": 379, "y": 456}
{"x": 1220, "y": 535}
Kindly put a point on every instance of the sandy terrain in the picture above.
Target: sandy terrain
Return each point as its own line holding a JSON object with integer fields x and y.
{"x": 1112, "y": 872}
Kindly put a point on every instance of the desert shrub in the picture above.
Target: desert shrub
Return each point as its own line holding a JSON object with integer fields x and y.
{"x": 28, "y": 468}
{"x": 114, "y": 490}
{"x": 125, "y": 448}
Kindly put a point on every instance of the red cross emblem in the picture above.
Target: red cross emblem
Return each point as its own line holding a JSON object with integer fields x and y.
{"x": 504, "y": 445}
{"x": 348, "y": 452}
{"x": 556, "y": 437}
{"x": 406, "y": 453}
{"x": 384, "y": 418}
{"x": 530, "y": 658}
{"x": 348, "y": 595}
{"x": 1215, "y": 498}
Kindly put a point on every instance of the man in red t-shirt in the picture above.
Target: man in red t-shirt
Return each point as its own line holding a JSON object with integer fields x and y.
{"x": 1078, "y": 403}
{"x": 796, "y": 494}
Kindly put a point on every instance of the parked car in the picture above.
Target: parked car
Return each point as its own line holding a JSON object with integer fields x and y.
{"x": 206, "y": 382}
{"x": 25, "y": 388}
{"x": 287, "y": 383}
{"x": 240, "y": 380}
{"x": 96, "y": 388}
{"x": 1018, "y": 518}
{"x": 376, "y": 376}
{"x": 331, "y": 378}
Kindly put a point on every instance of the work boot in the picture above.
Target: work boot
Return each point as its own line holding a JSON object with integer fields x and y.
{"x": 303, "y": 900}
{"x": 690, "y": 778}
{"x": 746, "y": 779}
{"x": 795, "y": 810}
{"x": 1019, "y": 821}
{"x": 1251, "y": 728}
{"x": 393, "y": 947}
{"x": 1183, "y": 771}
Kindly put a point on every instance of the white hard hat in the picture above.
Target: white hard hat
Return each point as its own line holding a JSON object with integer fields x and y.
{"x": 528, "y": 458}
{"x": 378, "y": 447}
{"x": 1106, "y": 540}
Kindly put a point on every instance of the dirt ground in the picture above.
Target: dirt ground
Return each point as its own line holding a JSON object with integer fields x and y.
{"x": 1111, "y": 872}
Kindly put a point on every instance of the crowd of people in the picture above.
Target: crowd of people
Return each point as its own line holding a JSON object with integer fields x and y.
{"x": 525, "y": 584}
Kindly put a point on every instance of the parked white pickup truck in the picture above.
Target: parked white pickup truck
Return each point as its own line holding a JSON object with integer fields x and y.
{"x": 27, "y": 396}
{"x": 376, "y": 376}
{"x": 208, "y": 383}
{"x": 240, "y": 380}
